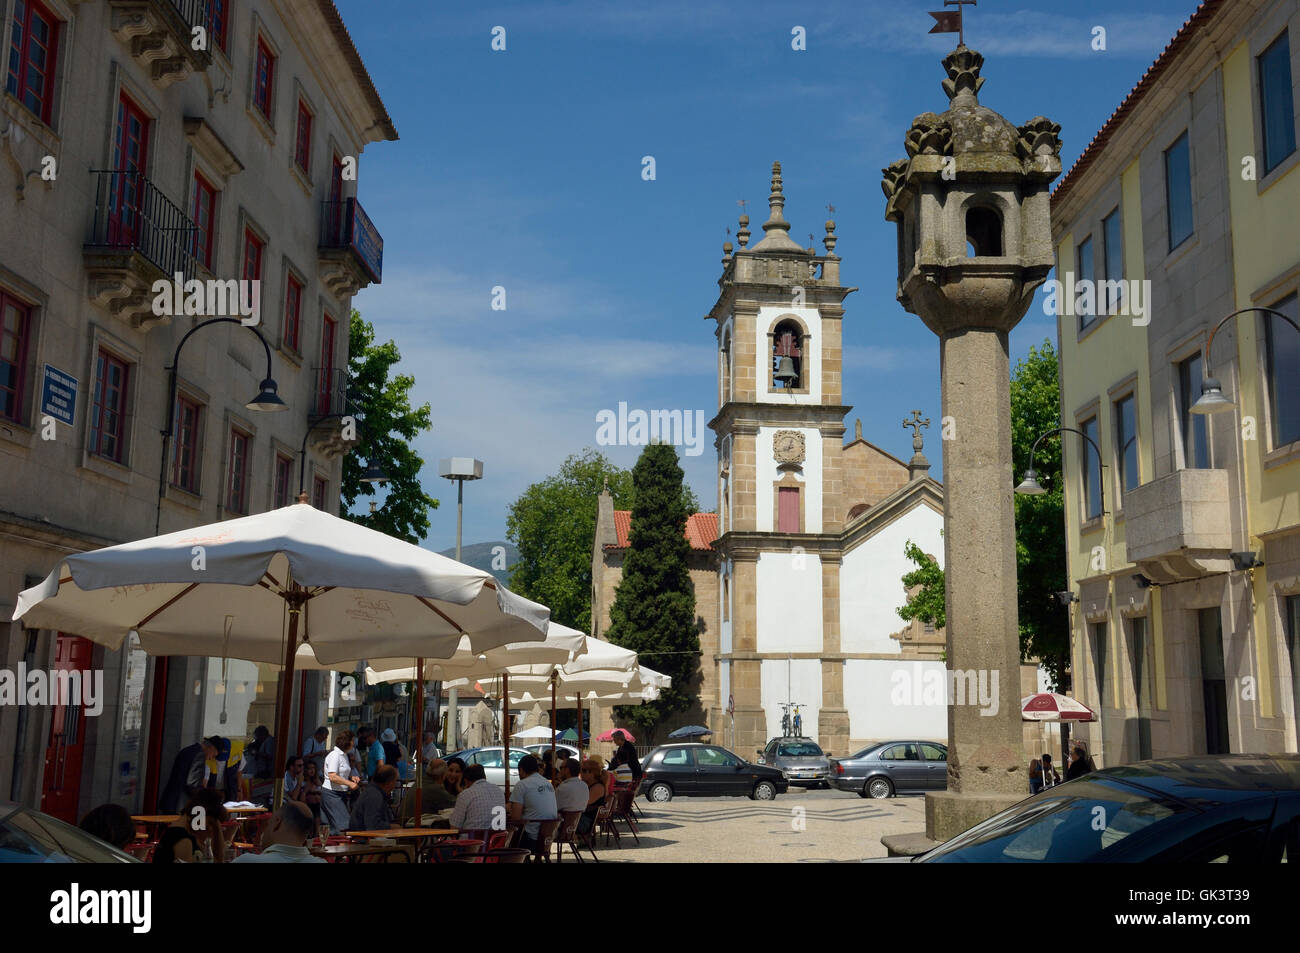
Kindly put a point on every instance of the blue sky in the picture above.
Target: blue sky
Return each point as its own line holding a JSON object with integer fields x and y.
{"x": 522, "y": 169}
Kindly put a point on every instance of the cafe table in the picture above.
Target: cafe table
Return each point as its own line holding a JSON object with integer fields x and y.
{"x": 352, "y": 853}
{"x": 418, "y": 835}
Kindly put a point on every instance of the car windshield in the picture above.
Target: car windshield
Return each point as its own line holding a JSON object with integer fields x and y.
{"x": 1081, "y": 823}
{"x": 29, "y": 837}
{"x": 799, "y": 749}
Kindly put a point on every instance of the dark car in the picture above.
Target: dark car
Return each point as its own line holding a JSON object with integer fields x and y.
{"x": 30, "y": 837}
{"x": 1239, "y": 808}
{"x": 693, "y": 769}
{"x": 800, "y": 759}
{"x": 892, "y": 767}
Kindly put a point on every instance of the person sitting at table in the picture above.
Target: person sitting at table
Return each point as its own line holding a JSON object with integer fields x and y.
{"x": 194, "y": 834}
{"x": 436, "y": 796}
{"x": 371, "y": 812}
{"x": 572, "y": 793}
{"x": 284, "y": 841}
{"x": 481, "y": 805}
{"x": 293, "y": 769}
{"x": 455, "y": 782}
{"x": 593, "y": 772}
{"x": 548, "y": 766}
{"x": 311, "y": 788}
{"x": 561, "y": 755}
{"x": 112, "y": 824}
{"x": 341, "y": 779}
{"x": 532, "y": 801}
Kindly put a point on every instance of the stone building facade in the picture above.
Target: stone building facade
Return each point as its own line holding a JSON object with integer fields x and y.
{"x": 1182, "y": 641}
{"x": 140, "y": 139}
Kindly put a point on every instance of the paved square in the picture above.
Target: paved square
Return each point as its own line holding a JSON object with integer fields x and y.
{"x": 803, "y": 826}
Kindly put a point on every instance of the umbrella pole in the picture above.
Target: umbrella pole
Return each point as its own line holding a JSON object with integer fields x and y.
{"x": 579, "y": 700}
{"x": 296, "y": 598}
{"x": 553, "y": 680}
{"x": 505, "y": 731}
{"x": 419, "y": 740}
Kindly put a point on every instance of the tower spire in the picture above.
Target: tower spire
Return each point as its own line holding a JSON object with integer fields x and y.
{"x": 776, "y": 229}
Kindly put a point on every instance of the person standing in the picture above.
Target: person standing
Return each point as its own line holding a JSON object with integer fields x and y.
{"x": 340, "y": 780}
{"x": 625, "y": 755}
{"x": 1078, "y": 765}
{"x": 315, "y": 749}
{"x": 374, "y": 751}
{"x": 1035, "y": 776}
{"x": 1051, "y": 777}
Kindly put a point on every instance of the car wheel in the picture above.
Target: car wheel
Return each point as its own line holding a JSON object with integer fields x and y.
{"x": 878, "y": 788}
{"x": 659, "y": 792}
{"x": 764, "y": 791}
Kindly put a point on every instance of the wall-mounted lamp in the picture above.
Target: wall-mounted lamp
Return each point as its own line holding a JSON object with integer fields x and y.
{"x": 1246, "y": 560}
{"x": 1066, "y": 597}
{"x": 1142, "y": 581}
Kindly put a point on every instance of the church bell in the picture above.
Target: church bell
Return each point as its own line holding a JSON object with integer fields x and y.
{"x": 785, "y": 371}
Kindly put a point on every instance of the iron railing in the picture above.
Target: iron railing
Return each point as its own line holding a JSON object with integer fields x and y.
{"x": 132, "y": 213}
{"x": 345, "y": 225}
{"x": 331, "y": 395}
{"x": 194, "y": 12}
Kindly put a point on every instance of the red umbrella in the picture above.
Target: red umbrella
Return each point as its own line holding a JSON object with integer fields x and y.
{"x": 609, "y": 735}
{"x": 1049, "y": 706}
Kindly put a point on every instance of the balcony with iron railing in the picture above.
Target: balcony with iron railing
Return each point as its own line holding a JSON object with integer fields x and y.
{"x": 329, "y": 404}
{"x": 138, "y": 236}
{"x": 351, "y": 250}
{"x": 160, "y": 35}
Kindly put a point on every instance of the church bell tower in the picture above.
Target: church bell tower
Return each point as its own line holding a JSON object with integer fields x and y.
{"x": 780, "y": 427}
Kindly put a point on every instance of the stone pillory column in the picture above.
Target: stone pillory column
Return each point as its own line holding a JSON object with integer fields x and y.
{"x": 971, "y": 206}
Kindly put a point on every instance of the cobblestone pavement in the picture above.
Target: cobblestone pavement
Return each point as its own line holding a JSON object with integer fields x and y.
{"x": 799, "y": 826}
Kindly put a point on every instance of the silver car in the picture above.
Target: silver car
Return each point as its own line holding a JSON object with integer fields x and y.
{"x": 892, "y": 767}
{"x": 800, "y": 759}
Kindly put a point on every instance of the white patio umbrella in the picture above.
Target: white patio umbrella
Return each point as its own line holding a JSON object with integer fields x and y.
{"x": 225, "y": 590}
{"x": 537, "y": 731}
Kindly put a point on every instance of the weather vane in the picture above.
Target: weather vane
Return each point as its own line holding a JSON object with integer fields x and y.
{"x": 741, "y": 203}
{"x": 950, "y": 21}
{"x": 830, "y": 209}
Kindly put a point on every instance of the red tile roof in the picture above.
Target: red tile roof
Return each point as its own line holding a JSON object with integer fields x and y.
{"x": 701, "y": 529}
{"x": 1198, "y": 20}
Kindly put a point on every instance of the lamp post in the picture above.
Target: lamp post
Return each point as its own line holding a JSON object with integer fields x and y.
{"x": 461, "y": 469}
{"x": 267, "y": 400}
{"x": 1212, "y": 399}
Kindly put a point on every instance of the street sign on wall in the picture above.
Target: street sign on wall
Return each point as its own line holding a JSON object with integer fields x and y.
{"x": 58, "y": 395}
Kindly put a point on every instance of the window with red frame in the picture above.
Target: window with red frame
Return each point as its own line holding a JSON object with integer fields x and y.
{"x": 108, "y": 409}
{"x": 205, "y": 220}
{"x": 253, "y": 249}
{"x": 326, "y": 383}
{"x": 33, "y": 54}
{"x": 185, "y": 445}
{"x": 263, "y": 78}
{"x": 15, "y": 333}
{"x": 218, "y": 25}
{"x": 237, "y": 486}
{"x": 319, "y": 488}
{"x": 302, "y": 150}
{"x": 293, "y": 314}
{"x": 283, "y": 474}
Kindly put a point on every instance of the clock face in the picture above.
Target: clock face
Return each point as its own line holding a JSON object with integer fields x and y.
{"x": 787, "y": 446}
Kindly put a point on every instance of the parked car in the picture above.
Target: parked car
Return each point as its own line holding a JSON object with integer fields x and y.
{"x": 30, "y": 837}
{"x": 1237, "y": 808}
{"x": 490, "y": 758}
{"x": 800, "y": 759}
{"x": 539, "y": 748}
{"x": 892, "y": 767}
{"x": 699, "y": 770}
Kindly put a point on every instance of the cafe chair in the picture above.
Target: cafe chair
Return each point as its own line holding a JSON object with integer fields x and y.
{"x": 545, "y": 837}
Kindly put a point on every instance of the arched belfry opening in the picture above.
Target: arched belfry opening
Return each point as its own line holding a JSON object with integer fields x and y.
{"x": 787, "y": 356}
{"x": 983, "y": 232}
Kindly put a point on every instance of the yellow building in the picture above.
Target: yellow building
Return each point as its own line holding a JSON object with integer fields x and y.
{"x": 1189, "y": 196}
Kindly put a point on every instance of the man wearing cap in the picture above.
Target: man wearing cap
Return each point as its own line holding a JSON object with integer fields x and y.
{"x": 372, "y": 750}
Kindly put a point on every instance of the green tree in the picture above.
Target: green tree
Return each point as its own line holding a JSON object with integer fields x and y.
{"x": 1040, "y": 523}
{"x": 928, "y": 602}
{"x": 654, "y": 607}
{"x": 553, "y": 524}
{"x": 1040, "y": 520}
{"x": 387, "y": 425}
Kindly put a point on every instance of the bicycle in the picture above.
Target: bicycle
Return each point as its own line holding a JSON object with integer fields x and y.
{"x": 797, "y": 722}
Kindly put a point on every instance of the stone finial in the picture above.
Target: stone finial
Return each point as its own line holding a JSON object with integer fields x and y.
{"x": 963, "y": 66}
{"x": 776, "y": 229}
{"x": 830, "y": 239}
{"x": 893, "y": 177}
{"x": 742, "y": 233}
{"x": 1039, "y": 137}
{"x": 930, "y": 135}
{"x": 857, "y": 429}
{"x": 726, "y": 252}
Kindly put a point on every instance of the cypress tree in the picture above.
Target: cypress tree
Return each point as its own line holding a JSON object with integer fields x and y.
{"x": 653, "y": 612}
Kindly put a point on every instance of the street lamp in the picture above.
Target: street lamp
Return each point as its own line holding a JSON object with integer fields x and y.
{"x": 461, "y": 469}
{"x": 267, "y": 401}
{"x": 1212, "y": 399}
{"x": 374, "y": 473}
{"x": 1030, "y": 486}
